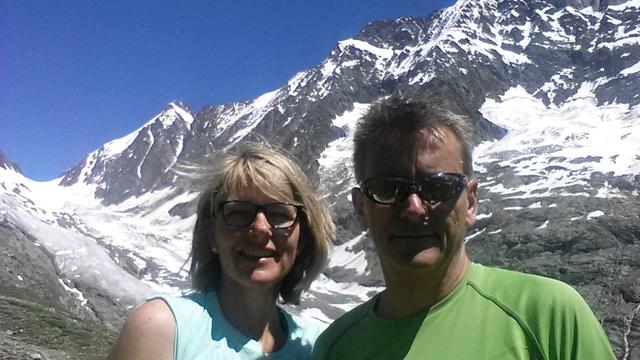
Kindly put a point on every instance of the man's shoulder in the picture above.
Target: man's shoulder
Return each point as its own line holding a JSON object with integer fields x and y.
{"x": 340, "y": 326}
{"x": 349, "y": 318}
{"x": 498, "y": 277}
{"x": 551, "y": 311}
{"x": 518, "y": 289}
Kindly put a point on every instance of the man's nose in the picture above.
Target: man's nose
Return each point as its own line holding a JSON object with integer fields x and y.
{"x": 414, "y": 208}
{"x": 260, "y": 225}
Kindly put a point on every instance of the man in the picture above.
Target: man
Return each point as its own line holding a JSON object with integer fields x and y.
{"x": 417, "y": 197}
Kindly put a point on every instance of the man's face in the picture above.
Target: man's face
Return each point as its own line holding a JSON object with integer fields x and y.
{"x": 414, "y": 234}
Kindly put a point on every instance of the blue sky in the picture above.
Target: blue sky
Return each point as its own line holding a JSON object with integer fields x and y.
{"x": 77, "y": 74}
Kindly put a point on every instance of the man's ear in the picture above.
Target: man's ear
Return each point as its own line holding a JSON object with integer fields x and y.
{"x": 472, "y": 203}
{"x": 357, "y": 199}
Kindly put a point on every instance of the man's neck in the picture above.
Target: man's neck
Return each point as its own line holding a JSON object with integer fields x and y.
{"x": 409, "y": 293}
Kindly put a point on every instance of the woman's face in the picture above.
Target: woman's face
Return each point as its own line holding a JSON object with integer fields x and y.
{"x": 258, "y": 254}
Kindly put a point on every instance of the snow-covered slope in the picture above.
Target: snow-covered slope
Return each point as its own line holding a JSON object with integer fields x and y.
{"x": 561, "y": 146}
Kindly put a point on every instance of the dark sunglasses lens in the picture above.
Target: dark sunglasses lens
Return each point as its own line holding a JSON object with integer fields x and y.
{"x": 439, "y": 188}
{"x": 239, "y": 213}
{"x": 384, "y": 190}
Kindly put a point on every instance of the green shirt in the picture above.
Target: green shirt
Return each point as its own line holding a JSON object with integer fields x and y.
{"x": 492, "y": 314}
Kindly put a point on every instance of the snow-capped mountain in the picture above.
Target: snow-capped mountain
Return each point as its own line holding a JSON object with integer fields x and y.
{"x": 150, "y": 151}
{"x": 8, "y": 164}
{"x": 552, "y": 88}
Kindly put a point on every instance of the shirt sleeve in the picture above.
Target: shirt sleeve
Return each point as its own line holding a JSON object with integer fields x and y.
{"x": 573, "y": 331}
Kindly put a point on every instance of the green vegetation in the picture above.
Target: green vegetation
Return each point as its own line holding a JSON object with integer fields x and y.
{"x": 50, "y": 329}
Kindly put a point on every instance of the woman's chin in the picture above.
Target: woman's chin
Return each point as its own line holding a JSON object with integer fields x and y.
{"x": 265, "y": 277}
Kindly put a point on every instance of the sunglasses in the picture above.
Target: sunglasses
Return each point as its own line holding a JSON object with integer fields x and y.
{"x": 433, "y": 188}
{"x": 239, "y": 213}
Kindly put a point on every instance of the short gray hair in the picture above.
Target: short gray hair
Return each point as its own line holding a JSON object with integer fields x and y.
{"x": 406, "y": 115}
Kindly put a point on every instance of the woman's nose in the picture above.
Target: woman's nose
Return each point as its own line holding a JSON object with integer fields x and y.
{"x": 260, "y": 225}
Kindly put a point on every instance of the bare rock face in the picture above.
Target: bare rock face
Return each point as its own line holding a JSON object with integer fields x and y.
{"x": 39, "y": 318}
{"x": 599, "y": 254}
{"x": 29, "y": 272}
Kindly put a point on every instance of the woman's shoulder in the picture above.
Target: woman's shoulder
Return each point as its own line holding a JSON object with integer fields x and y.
{"x": 155, "y": 310}
{"x": 187, "y": 308}
{"x": 148, "y": 333}
{"x": 153, "y": 315}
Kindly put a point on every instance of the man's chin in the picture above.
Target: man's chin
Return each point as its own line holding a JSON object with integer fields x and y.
{"x": 427, "y": 258}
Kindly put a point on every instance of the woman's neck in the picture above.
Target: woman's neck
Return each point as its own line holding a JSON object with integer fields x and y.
{"x": 253, "y": 312}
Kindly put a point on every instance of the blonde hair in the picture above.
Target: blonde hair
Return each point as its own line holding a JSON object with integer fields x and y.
{"x": 276, "y": 175}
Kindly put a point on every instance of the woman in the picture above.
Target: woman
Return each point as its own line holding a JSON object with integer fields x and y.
{"x": 260, "y": 234}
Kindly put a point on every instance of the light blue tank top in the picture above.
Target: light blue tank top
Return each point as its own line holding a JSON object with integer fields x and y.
{"x": 202, "y": 332}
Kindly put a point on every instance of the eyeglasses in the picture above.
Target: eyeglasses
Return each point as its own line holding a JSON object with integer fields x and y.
{"x": 242, "y": 213}
{"x": 433, "y": 188}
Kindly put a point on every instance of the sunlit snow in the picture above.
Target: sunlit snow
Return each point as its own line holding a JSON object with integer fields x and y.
{"x": 339, "y": 151}
{"x": 544, "y": 136}
{"x": 631, "y": 69}
{"x": 350, "y": 255}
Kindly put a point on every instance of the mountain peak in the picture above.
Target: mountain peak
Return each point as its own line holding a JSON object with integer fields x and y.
{"x": 179, "y": 104}
{"x": 6, "y": 163}
{"x": 393, "y": 33}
